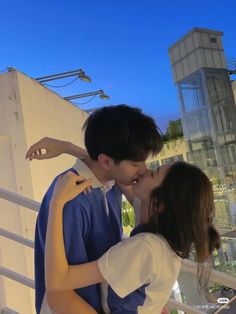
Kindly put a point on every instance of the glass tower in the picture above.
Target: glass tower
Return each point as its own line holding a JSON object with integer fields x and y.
{"x": 208, "y": 115}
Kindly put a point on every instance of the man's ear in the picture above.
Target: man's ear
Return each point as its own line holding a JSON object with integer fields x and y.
{"x": 105, "y": 161}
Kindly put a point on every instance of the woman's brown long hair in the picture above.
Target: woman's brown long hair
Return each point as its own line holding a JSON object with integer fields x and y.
{"x": 186, "y": 221}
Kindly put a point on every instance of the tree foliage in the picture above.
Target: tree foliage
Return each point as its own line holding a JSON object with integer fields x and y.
{"x": 173, "y": 130}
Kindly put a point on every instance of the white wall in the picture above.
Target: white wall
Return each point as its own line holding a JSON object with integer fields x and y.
{"x": 44, "y": 113}
{"x": 28, "y": 111}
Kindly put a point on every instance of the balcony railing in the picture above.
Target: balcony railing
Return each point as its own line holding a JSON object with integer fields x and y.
{"x": 187, "y": 265}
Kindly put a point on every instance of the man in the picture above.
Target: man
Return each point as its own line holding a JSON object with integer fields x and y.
{"x": 118, "y": 140}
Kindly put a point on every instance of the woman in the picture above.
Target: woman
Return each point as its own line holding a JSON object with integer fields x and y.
{"x": 179, "y": 212}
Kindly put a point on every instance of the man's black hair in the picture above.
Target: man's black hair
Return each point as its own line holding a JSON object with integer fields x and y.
{"x": 122, "y": 133}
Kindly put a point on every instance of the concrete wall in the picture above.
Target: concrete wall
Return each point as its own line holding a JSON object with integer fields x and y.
{"x": 46, "y": 113}
{"x": 28, "y": 111}
{"x": 199, "y": 48}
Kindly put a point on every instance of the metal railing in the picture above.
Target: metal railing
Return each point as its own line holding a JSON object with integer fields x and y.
{"x": 231, "y": 63}
{"x": 6, "y": 310}
{"x": 187, "y": 265}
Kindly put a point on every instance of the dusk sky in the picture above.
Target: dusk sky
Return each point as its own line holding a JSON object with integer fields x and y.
{"x": 122, "y": 45}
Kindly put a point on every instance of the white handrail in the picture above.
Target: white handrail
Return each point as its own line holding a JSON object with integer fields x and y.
{"x": 6, "y": 310}
{"x": 216, "y": 276}
{"x": 16, "y": 237}
{"x": 183, "y": 307}
{"x": 226, "y": 306}
{"x": 20, "y": 200}
{"x": 187, "y": 265}
{"x": 17, "y": 277}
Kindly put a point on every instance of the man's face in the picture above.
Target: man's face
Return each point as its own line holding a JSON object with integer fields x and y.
{"x": 127, "y": 172}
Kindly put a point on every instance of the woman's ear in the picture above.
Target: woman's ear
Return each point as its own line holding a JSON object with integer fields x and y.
{"x": 105, "y": 161}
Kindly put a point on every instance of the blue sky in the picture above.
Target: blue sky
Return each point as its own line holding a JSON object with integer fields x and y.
{"x": 122, "y": 45}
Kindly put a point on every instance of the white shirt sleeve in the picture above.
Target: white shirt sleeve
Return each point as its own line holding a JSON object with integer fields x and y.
{"x": 129, "y": 264}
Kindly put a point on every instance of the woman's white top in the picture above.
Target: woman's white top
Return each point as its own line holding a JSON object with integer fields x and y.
{"x": 145, "y": 258}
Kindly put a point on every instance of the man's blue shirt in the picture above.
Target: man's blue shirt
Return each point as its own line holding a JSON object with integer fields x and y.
{"x": 89, "y": 231}
{"x": 135, "y": 299}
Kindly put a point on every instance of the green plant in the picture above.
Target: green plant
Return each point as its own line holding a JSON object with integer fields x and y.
{"x": 128, "y": 217}
{"x": 215, "y": 288}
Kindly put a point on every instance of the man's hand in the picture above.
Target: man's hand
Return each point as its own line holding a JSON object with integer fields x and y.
{"x": 46, "y": 148}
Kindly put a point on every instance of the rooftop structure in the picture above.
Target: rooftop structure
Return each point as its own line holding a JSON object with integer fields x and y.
{"x": 208, "y": 111}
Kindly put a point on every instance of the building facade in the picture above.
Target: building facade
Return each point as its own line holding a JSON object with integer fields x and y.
{"x": 29, "y": 111}
{"x": 208, "y": 113}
